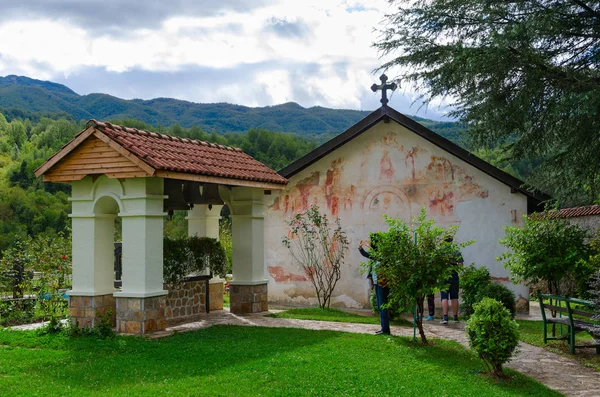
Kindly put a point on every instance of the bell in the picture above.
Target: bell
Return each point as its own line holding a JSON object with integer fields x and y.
{"x": 183, "y": 195}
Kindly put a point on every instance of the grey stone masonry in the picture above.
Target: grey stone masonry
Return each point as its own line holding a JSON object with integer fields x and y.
{"x": 186, "y": 302}
{"x": 248, "y": 298}
{"x": 141, "y": 316}
{"x": 86, "y": 311}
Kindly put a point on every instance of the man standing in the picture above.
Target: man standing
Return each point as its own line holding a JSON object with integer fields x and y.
{"x": 452, "y": 291}
{"x": 381, "y": 292}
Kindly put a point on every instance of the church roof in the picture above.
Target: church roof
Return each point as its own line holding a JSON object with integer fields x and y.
{"x": 385, "y": 113}
{"x": 574, "y": 212}
{"x": 167, "y": 156}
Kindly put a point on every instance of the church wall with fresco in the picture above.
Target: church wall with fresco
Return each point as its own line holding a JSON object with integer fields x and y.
{"x": 389, "y": 170}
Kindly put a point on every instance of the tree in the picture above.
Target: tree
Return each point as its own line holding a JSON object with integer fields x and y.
{"x": 546, "y": 249}
{"x": 415, "y": 269}
{"x": 522, "y": 73}
{"x": 319, "y": 250}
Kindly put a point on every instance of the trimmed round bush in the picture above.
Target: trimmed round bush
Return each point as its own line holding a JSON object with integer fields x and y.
{"x": 493, "y": 334}
{"x": 499, "y": 292}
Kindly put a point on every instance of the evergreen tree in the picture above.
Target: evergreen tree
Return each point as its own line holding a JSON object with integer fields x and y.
{"x": 522, "y": 73}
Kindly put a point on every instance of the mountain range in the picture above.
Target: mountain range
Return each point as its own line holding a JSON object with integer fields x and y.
{"x": 21, "y": 95}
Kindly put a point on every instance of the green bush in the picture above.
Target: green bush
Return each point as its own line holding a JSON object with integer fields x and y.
{"x": 394, "y": 309}
{"x": 413, "y": 267}
{"x": 17, "y": 312}
{"x": 493, "y": 334}
{"x": 472, "y": 279}
{"x": 183, "y": 256}
{"x": 499, "y": 292}
{"x": 547, "y": 249}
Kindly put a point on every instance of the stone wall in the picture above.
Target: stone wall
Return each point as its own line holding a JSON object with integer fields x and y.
{"x": 187, "y": 303}
{"x": 87, "y": 310}
{"x": 141, "y": 316}
{"x": 248, "y": 298}
{"x": 215, "y": 294}
{"x": 591, "y": 222}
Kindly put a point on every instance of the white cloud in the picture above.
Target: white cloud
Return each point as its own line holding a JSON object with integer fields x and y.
{"x": 334, "y": 37}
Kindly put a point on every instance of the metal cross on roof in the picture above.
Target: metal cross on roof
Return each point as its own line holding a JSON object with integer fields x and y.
{"x": 384, "y": 87}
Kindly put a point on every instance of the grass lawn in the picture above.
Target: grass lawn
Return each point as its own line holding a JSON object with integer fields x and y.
{"x": 532, "y": 333}
{"x": 246, "y": 361}
{"x": 315, "y": 313}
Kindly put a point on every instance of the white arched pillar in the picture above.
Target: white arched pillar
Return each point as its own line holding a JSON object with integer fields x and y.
{"x": 140, "y": 305}
{"x": 203, "y": 221}
{"x": 93, "y": 251}
{"x": 141, "y": 301}
{"x": 249, "y": 285}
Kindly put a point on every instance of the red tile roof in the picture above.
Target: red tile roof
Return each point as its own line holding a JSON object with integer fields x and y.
{"x": 169, "y": 153}
{"x": 575, "y": 212}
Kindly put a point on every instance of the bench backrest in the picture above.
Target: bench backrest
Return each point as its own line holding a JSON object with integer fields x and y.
{"x": 568, "y": 308}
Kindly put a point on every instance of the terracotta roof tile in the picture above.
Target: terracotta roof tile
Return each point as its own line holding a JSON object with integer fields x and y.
{"x": 575, "y": 212}
{"x": 168, "y": 153}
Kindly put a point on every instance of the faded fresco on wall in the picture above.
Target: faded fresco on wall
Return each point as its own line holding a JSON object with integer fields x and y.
{"x": 380, "y": 172}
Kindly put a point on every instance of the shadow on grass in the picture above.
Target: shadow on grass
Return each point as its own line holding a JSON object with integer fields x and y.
{"x": 454, "y": 361}
{"x": 86, "y": 363}
{"x": 239, "y": 360}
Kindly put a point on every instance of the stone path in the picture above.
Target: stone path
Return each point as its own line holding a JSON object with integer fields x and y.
{"x": 559, "y": 373}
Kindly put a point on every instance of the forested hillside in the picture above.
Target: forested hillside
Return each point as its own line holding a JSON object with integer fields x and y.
{"x": 23, "y": 97}
{"x": 32, "y": 133}
{"x": 30, "y": 207}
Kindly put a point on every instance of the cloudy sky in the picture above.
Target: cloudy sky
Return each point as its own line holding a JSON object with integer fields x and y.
{"x": 252, "y": 52}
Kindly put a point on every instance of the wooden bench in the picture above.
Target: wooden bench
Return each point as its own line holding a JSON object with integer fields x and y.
{"x": 575, "y": 325}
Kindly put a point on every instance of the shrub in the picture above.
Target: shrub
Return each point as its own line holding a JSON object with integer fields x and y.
{"x": 595, "y": 294}
{"x": 319, "y": 249}
{"x": 53, "y": 326}
{"x": 184, "y": 256}
{"x": 498, "y": 292}
{"x": 394, "y": 308}
{"x": 493, "y": 334}
{"x": 547, "y": 249}
{"x": 17, "y": 312}
{"x": 50, "y": 258}
{"x": 472, "y": 279}
{"x": 414, "y": 268}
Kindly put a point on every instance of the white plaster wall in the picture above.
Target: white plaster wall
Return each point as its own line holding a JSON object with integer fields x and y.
{"x": 388, "y": 170}
{"x": 95, "y": 203}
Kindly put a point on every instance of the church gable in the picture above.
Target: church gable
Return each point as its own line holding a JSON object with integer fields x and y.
{"x": 387, "y": 170}
{"x": 93, "y": 157}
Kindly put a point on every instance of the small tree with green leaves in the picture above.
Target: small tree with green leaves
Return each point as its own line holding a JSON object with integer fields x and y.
{"x": 546, "y": 249}
{"x": 318, "y": 249}
{"x": 415, "y": 269}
